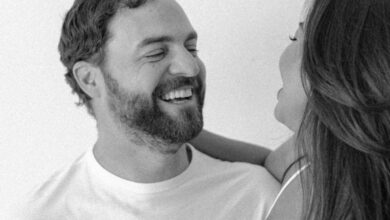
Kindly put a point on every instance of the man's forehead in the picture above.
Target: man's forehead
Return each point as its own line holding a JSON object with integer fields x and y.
{"x": 157, "y": 10}
{"x": 157, "y": 20}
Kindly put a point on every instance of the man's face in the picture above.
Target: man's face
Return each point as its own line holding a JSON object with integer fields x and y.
{"x": 154, "y": 79}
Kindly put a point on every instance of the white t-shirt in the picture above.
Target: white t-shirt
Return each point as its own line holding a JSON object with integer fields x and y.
{"x": 207, "y": 189}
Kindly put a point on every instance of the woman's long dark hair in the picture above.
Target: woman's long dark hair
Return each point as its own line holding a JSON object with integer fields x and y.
{"x": 346, "y": 129}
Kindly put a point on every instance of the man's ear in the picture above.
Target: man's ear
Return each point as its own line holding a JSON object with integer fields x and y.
{"x": 86, "y": 75}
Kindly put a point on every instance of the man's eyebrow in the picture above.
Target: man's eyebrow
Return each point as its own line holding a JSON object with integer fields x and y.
{"x": 151, "y": 40}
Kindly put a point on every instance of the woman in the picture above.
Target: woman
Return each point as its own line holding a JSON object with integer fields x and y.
{"x": 336, "y": 98}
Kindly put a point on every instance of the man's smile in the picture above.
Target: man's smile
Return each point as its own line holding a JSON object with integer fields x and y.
{"x": 179, "y": 95}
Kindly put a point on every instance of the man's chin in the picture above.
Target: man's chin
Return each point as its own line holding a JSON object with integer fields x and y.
{"x": 170, "y": 122}
{"x": 186, "y": 123}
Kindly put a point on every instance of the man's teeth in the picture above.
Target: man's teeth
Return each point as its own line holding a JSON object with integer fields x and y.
{"x": 175, "y": 94}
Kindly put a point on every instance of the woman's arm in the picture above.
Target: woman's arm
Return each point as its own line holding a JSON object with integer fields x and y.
{"x": 228, "y": 149}
{"x": 224, "y": 148}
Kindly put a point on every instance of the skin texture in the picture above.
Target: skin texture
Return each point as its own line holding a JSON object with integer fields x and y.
{"x": 136, "y": 68}
{"x": 291, "y": 98}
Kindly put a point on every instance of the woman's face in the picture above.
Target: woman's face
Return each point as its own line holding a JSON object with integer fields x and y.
{"x": 291, "y": 97}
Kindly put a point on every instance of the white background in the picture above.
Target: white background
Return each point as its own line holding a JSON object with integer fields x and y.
{"x": 42, "y": 130}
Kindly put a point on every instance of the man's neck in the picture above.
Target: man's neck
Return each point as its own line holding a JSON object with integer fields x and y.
{"x": 138, "y": 162}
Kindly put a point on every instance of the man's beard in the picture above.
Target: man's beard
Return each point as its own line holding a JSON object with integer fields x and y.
{"x": 143, "y": 120}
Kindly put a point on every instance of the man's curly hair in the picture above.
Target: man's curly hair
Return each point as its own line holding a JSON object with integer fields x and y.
{"x": 84, "y": 34}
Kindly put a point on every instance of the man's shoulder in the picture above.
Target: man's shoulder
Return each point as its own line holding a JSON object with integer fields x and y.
{"x": 240, "y": 185}
{"x": 43, "y": 198}
{"x": 61, "y": 179}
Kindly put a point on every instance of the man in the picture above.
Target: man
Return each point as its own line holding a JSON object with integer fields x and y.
{"x": 134, "y": 64}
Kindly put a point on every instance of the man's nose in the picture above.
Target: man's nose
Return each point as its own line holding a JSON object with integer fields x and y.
{"x": 184, "y": 63}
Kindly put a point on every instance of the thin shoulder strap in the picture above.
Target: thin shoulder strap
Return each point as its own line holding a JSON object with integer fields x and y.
{"x": 285, "y": 186}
